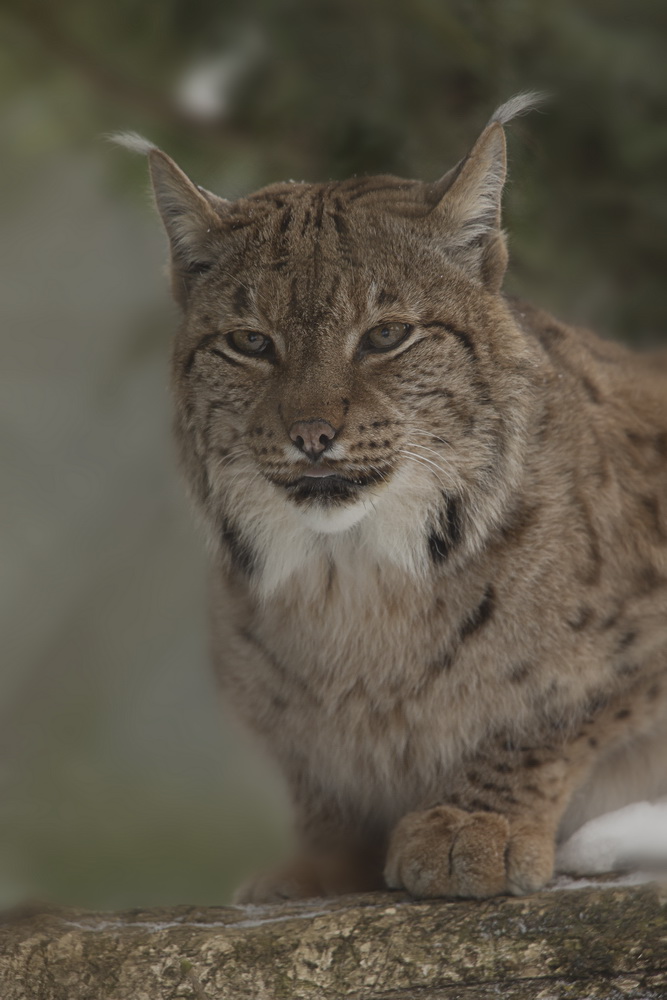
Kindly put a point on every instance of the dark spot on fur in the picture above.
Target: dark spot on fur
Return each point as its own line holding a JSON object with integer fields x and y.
{"x": 189, "y": 361}
{"x": 242, "y": 556}
{"x": 653, "y": 692}
{"x": 440, "y": 666}
{"x": 552, "y": 333}
{"x": 438, "y": 547}
{"x": 331, "y": 576}
{"x": 595, "y": 705}
{"x": 648, "y": 579}
{"x": 481, "y": 615}
{"x": 611, "y": 620}
{"x": 652, "y": 507}
{"x": 285, "y": 220}
{"x": 386, "y": 298}
{"x": 240, "y": 299}
{"x": 443, "y": 393}
{"x": 339, "y": 223}
{"x": 376, "y": 189}
{"x": 480, "y": 806}
{"x": 520, "y": 673}
{"x": 331, "y": 294}
{"x": 448, "y": 532}
{"x": 583, "y": 618}
{"x": 319, "y": 210}
{"x": 591, "y": 390}
{"x": 591, "y": 574}
{"x": 463, "y": 338}
{"x": 624, "y": 713}
{"x": 503, "y": 768}
{"x": 235, "y": 224}
{"x": 532, "y": 761}
{"x": 519, "y": 522}
{"x": 626, "y": 640}
{"x": 592, "y": 742}
{"x": 294, "y": 295}
{"x": 452, "y": 518}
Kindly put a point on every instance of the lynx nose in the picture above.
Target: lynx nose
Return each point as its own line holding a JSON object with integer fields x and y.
{"x": 312, "y": 436}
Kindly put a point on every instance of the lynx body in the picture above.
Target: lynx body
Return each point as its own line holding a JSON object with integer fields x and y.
{"x": 438, "y": 520}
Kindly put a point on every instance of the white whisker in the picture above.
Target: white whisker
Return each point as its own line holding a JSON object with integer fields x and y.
{"x": 447, "y": 467}
{"x": 421, "y": 460}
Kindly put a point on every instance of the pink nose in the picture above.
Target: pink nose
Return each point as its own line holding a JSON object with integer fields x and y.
{"x": 312, "y": 436}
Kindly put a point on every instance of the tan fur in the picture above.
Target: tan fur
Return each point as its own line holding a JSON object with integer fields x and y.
{"x": 469, "y": 651}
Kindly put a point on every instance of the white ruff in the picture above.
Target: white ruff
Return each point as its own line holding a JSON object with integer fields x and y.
{"x": 387, "y": 527}
{"x": 331, "y": 520}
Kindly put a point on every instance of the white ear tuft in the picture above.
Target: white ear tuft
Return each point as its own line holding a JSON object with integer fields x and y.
{"x": 469, "y": 196}
{"x": 517, "y": 105}
{"x": 132, "y": 141}
{"x": 192, "y": 216}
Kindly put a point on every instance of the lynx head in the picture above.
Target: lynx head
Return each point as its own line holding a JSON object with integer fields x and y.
{"x": 347, "y": 372}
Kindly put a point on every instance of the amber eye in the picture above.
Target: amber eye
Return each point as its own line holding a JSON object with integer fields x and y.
{"x": 249, "y": 341}
{"x": 385, "y": 336}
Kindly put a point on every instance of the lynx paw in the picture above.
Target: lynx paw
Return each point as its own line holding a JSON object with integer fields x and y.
{"x": 449, "y": 852}
{"x": 291, "y": 882}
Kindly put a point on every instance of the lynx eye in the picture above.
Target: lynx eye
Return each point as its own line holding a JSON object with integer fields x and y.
{"x": 385, "y": 336}
{"x": 249, "y": 342}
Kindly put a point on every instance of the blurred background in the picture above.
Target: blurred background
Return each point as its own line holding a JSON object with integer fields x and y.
{"x": 122, "y": 780}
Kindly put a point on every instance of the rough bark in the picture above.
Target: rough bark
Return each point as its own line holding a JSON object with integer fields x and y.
{"x": 588, "y": 942}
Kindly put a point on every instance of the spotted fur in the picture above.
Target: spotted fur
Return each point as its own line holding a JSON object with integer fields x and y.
{"x": 456, "y": 647}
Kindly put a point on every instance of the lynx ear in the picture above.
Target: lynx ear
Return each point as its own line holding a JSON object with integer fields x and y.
{"x": 468, "y": 199}
{"x": 192, "y": 216}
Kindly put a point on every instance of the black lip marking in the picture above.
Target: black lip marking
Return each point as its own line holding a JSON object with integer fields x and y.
{"x": 328, "y": 488}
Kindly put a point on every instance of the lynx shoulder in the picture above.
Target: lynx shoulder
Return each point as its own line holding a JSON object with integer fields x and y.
{"x": 438, "y": 520}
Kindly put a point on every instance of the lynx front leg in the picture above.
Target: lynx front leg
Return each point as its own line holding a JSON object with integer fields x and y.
{"x": 495, "y": 831}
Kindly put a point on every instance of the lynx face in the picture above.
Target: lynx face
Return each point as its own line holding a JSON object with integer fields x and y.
{"x": 345, "y": 356}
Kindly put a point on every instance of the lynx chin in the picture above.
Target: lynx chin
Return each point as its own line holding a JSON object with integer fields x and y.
{"x": 438, "y": 525}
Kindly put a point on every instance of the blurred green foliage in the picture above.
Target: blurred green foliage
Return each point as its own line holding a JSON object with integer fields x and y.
{"x": 333, "y": 87}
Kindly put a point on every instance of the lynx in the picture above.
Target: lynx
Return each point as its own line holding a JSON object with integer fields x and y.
{"x": 438, "y": 525}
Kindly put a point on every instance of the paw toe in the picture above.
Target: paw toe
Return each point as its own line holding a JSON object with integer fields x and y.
{"x": 448, "y": 852}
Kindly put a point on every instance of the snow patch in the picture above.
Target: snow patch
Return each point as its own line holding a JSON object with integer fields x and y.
{"x": 629, "y": 838}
